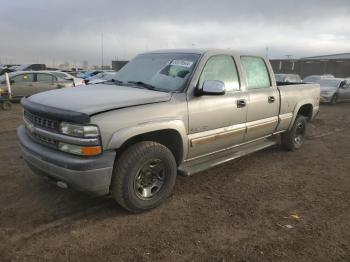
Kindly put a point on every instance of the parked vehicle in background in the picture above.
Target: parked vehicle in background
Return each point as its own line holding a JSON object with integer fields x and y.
{"x": 5, "y": 69}
{"x": 101, "y": 77}
{"x": 31, "y": 67}
{"x": 88, "y": 74}
{"x": 316, "y": 78}
{"x": 5, "y": 102}
{"x": 77, "y": 81}
{"x": 28, "y": 83}
{"x": 334, "y": 90}
{"x": 166, "y": 112}
{"x": 293, "y": 78}
{"x": 80, "y": 74}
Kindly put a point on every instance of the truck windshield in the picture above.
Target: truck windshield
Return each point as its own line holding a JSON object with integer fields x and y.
{"x": 163, "y": 71}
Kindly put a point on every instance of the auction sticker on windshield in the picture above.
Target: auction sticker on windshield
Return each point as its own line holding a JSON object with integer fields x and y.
{"x": 182, "y": 63}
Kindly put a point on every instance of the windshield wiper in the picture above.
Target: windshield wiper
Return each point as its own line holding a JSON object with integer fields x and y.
{"x": 143, "y": 84}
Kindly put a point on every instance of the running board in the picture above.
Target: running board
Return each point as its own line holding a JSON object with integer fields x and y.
{"x": 200, "y": 164}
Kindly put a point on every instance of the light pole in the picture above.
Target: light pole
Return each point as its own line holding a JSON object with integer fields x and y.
{"x": 102, "y": 51}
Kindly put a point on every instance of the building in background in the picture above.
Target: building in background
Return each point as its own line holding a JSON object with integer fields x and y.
{"x": 117, "y": 65}
{"x": 337, "y": 65}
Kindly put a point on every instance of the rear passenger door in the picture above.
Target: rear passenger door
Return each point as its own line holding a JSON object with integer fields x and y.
{"x": 45, "y": 82}
{"x": 263, "y": 98}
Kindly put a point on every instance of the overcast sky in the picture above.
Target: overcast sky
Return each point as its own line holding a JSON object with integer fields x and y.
{"x": 54, "y": 31}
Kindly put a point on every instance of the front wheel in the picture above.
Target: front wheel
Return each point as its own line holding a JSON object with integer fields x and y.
{"x": 144, "y": 176}
{"x": 294, "y": 138}
{"x": 6, "y": 105}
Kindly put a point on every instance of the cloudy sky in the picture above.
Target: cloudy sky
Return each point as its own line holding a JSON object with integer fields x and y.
{"x": 55, "y": 31}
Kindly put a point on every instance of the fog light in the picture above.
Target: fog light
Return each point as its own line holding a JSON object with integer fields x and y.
{"x": 80, "y": 150}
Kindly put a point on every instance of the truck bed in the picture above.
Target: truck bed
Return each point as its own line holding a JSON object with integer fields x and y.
{"x": 306, "y": 93}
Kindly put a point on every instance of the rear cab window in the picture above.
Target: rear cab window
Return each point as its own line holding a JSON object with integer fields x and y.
{"x": 256, "y": 72}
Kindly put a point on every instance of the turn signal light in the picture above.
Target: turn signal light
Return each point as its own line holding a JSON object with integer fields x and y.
{"x": 91, "y": 150}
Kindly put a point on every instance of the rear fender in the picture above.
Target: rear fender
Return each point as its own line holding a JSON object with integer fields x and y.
{"x": 297, "y": 108}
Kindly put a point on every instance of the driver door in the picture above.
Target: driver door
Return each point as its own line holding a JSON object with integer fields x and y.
{"x": 45, "y": 82}
{"x": 217, "y": 122}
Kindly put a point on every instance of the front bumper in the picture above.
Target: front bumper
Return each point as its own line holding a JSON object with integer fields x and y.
{"x": 92, "y": 174}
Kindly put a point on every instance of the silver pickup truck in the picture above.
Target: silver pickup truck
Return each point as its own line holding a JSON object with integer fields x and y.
{"x": 165, "y": 113}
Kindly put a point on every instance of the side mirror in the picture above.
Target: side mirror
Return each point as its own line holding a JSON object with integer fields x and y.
{"x": 213, "y": 87}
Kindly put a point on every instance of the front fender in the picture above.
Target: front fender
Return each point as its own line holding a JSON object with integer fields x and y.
{"x": 122, "y": 135}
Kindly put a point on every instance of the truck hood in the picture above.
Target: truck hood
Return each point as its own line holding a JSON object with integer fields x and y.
{"x": 98, "y": 98}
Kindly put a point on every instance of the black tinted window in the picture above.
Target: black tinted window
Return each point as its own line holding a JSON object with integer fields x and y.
{"x": 23, "y": 78}
{"x": 45, "y": 78}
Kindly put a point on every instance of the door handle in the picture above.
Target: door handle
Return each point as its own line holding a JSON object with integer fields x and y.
{"x": 241, "y": 103}
{"x": 271, "y": 99}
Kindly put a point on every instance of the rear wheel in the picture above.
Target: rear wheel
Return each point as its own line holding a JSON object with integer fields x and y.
{"x": 144, "y": 176}
{"x": 334, "y": 99}
{"x": 294, "y": 138}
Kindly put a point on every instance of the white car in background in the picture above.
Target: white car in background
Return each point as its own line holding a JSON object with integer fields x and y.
{"x": 76, "y": 80}
{"x": 316, "y": 78}
{"x": 334, "y": 90}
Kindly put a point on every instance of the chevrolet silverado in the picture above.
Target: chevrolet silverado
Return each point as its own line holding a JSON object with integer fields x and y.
{"x": 165, "y": 113}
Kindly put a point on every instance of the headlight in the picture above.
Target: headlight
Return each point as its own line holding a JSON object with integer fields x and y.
{"x": 80, "y": 150}
{"x": 79, "y": 130}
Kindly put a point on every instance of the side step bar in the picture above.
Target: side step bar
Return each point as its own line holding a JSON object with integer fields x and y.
{"x": 200, "y": 164}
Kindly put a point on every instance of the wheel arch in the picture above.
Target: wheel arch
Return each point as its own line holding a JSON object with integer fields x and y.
{"x": 170, "y": 134}
{"x": 304, "y": 108}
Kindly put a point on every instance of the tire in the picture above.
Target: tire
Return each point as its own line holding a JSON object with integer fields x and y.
{"x": 294, "y": 138}
{"x": 6, "y": 105}
{"x": 334, "y": 99}
{"x": 144, "y": 176}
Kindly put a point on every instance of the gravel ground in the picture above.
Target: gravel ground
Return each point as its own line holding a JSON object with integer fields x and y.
{"x": 269, "y": 206}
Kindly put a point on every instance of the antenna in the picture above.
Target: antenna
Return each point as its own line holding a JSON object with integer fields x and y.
{"x": 267, "y": 53}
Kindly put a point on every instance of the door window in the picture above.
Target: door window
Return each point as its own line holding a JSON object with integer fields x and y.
{"x": 46, "y": 78}
{"x": 23, "y": 78}
{"x": 222, "y": 68}
{"x": 256, "y": 72}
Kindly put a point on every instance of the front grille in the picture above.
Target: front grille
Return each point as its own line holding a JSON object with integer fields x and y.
{"x": 41, "y": 121}
{"x": 45, "y": 139}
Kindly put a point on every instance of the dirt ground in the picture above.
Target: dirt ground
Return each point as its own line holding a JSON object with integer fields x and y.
{"x": 269, "y": 206}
